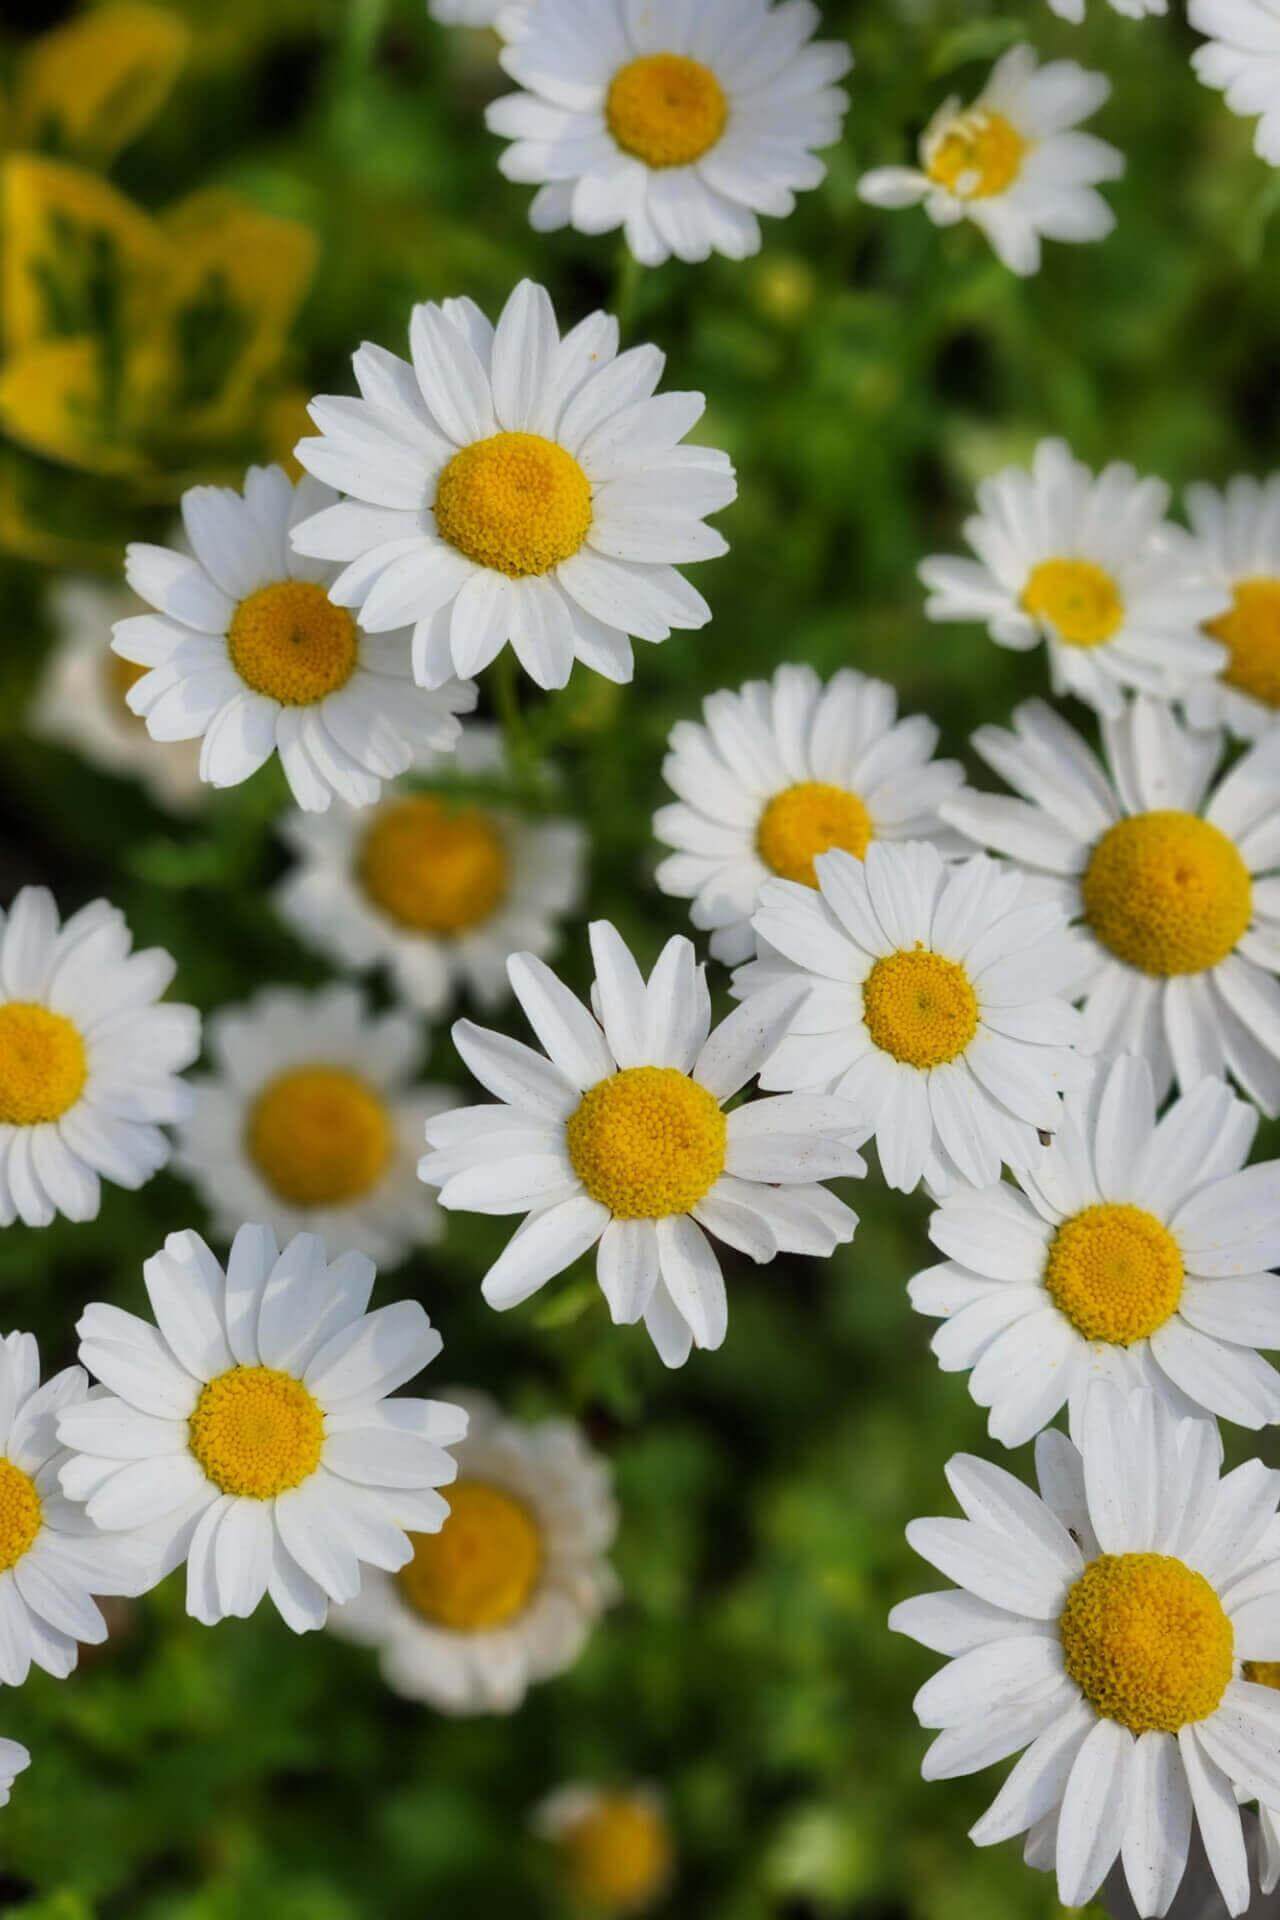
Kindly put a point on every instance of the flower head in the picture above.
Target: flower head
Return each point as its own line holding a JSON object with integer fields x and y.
{"x": 614, "y": 1846}
{"x": 1237, "y": 536}
{"x": 1240, "y": 59}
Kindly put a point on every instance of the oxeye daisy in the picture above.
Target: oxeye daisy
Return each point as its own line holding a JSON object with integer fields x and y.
{"x": 312, "y": 1122}
{"x": 1073, "y": 10}
{"x": 1238, "y": 538}
{"x": 14, "y": 1759}
{"x": 247, "y": 653}
{"x": 514, "y": 486}
{"x": 613, "y": 1845}
{"x": 249, "y": 1431}
{"x": 1108, "y": 1628}
{"x": 1089, "y": 565}
{"x": 930, "y": 1002}
{"x": 1242, "y": 61}
{"x": 618, "y": 1138}
{"x": 679, "y": 124}
{"x": 506, "y": 1593}
{"x": 1168, "y": 874}
{"x": 89, "y": 1061}
{"x": 1136, "y": 1251}
{"x": 1014, "y": 162}
{"x": 781, "y": 771}
{"x": 436, "y": 888}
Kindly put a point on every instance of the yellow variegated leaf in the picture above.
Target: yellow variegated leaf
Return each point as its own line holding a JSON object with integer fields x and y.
{"x": 84, "y": 90}
{"x": 63, "y": 399}
{"x": 79, "y": 259}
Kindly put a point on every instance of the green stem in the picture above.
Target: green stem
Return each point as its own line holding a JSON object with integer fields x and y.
{"x": 626, "y": 287}
{"x": 522, "y": 753}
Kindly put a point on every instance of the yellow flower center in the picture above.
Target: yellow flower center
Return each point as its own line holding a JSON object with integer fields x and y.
{"x": 516, "y": 503}
{"x": 647, "y": 1142}
{"x": 666, "y": 110}
{"x": 480, "y": 1570}
{"x": 20, "y": 1514}
{"x": 1250, "y": 631}
{"x": 289, "y": 642}
{"x": 432, "y": 868}
{"x": 809, "y": 819}
{"x": 43, "y": 1065}
{"x": 256, "y": 1432}
{"x": 919, "y": 1007}
{"x": 618, "y": 1856}
{"x": 1147, "y": 1642}
{"x": 1167, "y": 893}
{"x": 978, "y": 155}
{"x": 1263, "y": 1673}
{"x": 1079, "y": 601}
{"x": 320, "y": 1136}
{"x": 1116, "y": 1273}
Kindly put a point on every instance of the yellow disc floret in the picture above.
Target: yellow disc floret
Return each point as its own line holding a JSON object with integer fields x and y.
{"x": 807, "y": 820}
{"x": 647, "y": 1142}
{"x": 665, "y": 109}
{"x": 977, "y": 155}
{"x": 1080, "y": 601}
{"x": 320, "y": 1136}
{"x": 617, "y": 1856}
{"x": 515, "y": 503}
{"x": 1115, "y": 1272}
{"x": 289, "y": 642}
{"x": 20, "y": 1514}
{"x": 1146, "y": 1640}
{"x": 481, "y": 1569}
{"x": 1250, "y": 631}
{"x": 919, "y": 1007}
{"x": 256, "y": 1432}
{"x": 43, "y": 1065}
{"x": 1167, "y": 892}
{"x": 433, "y": 868}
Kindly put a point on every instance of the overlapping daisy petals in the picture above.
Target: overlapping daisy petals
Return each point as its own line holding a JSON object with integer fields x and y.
{"x": 1242, "y": 61}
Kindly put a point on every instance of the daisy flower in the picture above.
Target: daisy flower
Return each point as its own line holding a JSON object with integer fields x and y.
{"x": 929, "y": 1001}
{"x": 781, "y": 771}
{"x": 312, "y": 1122}
{"x": 81, "y": 699}
{"x": 1238, "y": 537}
{"x": 618, "y": 1139}
{"x": 437, "y": 889}
{"x": 247, "y": 653}
{"x": 1135, "y": 1252}
{"x": 14, "y": 1759}
{"x": 1073, "y": 10}
{"x": 89, "y": 1062}
{"x": 1106, "y": 1627}
{"x": 1090, "y": 566}
{"x": 506, "y": 1593}
{"x": 1242, "y": 61}
{"x": 514, "y": 486}
{"x": 504, "y": 16}
{"x": 52, "y": 1560}
{"x": 613, "y": 1845}
{"x": 1014, "y": 162}
{"x": 679, "y": 124}
{"x": 248, "y": 1432}
{"x": 1169, "y": 876}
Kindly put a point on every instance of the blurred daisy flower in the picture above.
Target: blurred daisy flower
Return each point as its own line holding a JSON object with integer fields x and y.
{"x": 1137, "y": 1251}
{"x": 14, "y": 1759}
{"x": 1089, "y": 565}
{"x": 1108, "y": 1627}
{"x": 507, "y": 1592}
{"x": 1237, "y": 535}
{"x": 613, "y": 1845}
{"x": 513, "y": 486}
{"x": 505, "y": 16}
{"x": 311, "y": 1121}
{"x": 617, "y": 1138}
{"x": 1013, "y": 162}
{"x": 1242, "y": 61}
{"x": 1170, "y": 876}
{"x": 89, "y": 1062}
{"x": 247, "y": 653}
{"x": 680, "y": 125}
{"x": 781, "y": 771}
{"x": 249, "y": 1432}
{"x": 1073, "y": 10}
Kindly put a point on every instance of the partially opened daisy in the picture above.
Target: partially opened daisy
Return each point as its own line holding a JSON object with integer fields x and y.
{"x": 1015, "y": 162}
{"x": 1136, "y": 1252}
{"x": 247, "y": 653}
{"x": 930, "y": 1001}
{"x": 614, "y": 1847}
{"x": 1089, "y": 565}
{"x": 1169, "y": 876}
{"x": 14, "y": 1759}
{"x": 89, "y": 1059}
{"x": 509, "y": 1589}
{"x": 618, "y": 1139}
{"x": 679, "y": 124}
{"x": 513, "y": 486}
{"x": 1106, "y": 1628}
{"x": 1242, "y": 61}
{"x": 249, "y": 1432}
{"x": 1237, "y": 534}
{"x": 781, "y": 771}
{"x": 311, "y": 1121}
